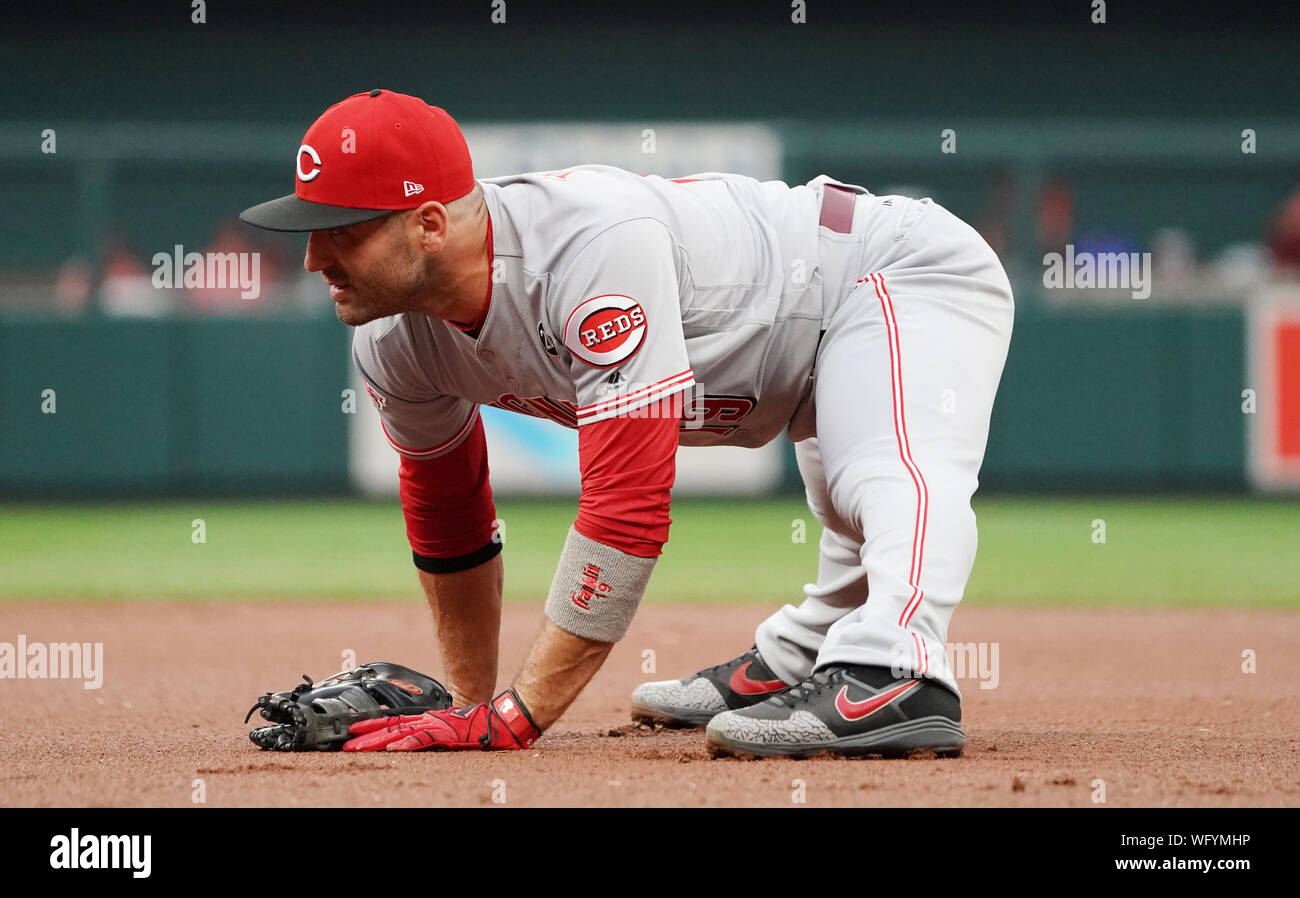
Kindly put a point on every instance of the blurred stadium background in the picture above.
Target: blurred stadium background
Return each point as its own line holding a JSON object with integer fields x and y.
{"x": 127, "y": 133}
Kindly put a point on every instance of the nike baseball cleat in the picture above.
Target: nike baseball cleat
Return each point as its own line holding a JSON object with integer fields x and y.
{"x": 848, "y": 710}
{"x": 694, "y": 700}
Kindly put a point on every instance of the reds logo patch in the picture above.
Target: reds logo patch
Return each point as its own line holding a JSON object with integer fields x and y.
{"x": 606, "y": 330}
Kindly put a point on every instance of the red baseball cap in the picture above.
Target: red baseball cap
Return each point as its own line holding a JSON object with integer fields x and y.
{"x": 372, "y": 154}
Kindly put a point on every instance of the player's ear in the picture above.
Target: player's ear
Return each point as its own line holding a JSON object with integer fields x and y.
{"x": 433, "y": 221}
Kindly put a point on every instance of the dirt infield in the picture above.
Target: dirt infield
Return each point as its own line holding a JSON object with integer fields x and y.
{"x": 1153, "y": 703}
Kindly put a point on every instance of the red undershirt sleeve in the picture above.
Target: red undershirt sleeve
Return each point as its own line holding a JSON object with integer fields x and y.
{"x": 628, "y": 467}
{"x": 447, "y": 502}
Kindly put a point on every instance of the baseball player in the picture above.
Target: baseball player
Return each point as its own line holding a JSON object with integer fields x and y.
{"x": 647, "y": 313}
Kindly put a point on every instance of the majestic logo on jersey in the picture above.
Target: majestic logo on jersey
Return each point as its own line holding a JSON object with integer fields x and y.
{"x": 548, "y": 342}
{"x": 306, "y": 176}
{"x": 606, "y": 330}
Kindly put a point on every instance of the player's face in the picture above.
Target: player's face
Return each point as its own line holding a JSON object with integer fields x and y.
{"x": 371, "y": 268}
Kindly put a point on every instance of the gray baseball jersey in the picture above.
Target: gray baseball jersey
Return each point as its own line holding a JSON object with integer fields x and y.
{"x": 613, "y": 292}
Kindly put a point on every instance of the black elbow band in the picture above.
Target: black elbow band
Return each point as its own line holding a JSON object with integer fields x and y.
{"x": 460, "y": 562}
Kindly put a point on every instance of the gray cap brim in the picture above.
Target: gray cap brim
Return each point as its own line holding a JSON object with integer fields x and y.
{"x": 288, "y": 213}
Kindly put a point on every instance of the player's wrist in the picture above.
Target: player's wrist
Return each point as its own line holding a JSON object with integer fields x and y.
{"x": 597, "y": 589}
{"x": 516, "y": 726}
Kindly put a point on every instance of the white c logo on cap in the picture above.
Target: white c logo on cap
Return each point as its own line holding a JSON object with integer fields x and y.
{"x": 307, "y": 176}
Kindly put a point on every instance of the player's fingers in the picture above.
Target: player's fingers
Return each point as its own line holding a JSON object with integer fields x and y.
{"x": 374, "y": 741}
{"x": 368, "y": 726}
{"x": 381, "y": 723}
{"x": 378, "y": 739}
{"x": 417, "y": 741}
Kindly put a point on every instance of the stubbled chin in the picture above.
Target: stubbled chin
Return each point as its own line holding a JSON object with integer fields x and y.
{"x": 350, "y": 316}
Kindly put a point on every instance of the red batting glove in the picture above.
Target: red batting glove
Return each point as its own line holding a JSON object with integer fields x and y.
{"x": 502, "y": 724}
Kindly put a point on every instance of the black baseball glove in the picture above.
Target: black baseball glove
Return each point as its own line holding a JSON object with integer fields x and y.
{"x": 316, "y": 716}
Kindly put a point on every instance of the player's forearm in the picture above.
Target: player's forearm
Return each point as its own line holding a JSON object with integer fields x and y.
{"x": 558, "y": 668}
{"x": 593, "y": 597}
{"x": 466, "y": 608}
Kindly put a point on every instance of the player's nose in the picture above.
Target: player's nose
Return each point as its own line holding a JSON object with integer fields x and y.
{"x": 318, "y": 256}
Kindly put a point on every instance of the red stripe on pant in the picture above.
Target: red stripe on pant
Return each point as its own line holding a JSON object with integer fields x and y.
{"x": 905, "y": 454}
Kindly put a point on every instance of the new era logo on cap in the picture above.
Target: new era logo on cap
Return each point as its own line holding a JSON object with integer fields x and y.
{"x": 411, "y": 188}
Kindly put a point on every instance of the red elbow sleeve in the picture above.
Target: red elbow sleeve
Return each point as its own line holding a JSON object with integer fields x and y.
{"x": 448, "y": 505}
{"x": 628, "y": 467}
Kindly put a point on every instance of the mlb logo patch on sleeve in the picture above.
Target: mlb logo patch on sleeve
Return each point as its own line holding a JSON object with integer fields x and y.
{"x": 606, "y": 330}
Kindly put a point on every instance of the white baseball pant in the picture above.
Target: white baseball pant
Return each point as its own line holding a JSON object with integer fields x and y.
{"x": 905, "y": 380}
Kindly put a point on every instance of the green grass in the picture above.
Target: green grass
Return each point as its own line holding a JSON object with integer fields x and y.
{"x": 1235, "y": 552}
{"x": 1032, "y": 551}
